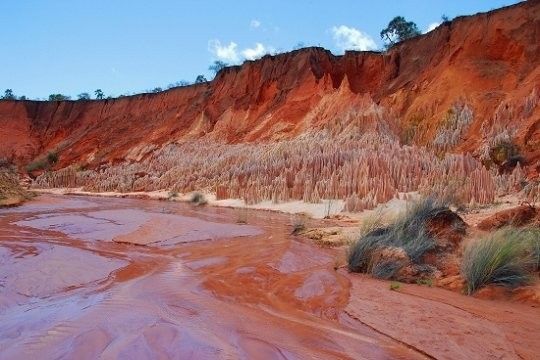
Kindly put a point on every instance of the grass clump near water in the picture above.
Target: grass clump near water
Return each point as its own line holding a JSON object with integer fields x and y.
{"x": 383, "y": 251}
{"x": 508, "y": 257}
{"x": 198, "y": 198}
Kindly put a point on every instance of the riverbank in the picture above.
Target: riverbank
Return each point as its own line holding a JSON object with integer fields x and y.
{"x": 11, "y": 191}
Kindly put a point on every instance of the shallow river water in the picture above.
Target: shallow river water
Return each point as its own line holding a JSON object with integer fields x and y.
{"x": 88, "y": 277}
{"x": 137, "y": 279}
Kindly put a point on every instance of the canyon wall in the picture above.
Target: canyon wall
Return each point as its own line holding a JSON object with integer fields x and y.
{"x": 467, "y": 87}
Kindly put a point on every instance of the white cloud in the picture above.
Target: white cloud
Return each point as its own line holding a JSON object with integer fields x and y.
{"x": 254, "y": 23}
{"x": 349, "y": 38}
{"x": 232, "y": 55}
{"x": 224, "y": 52}
{"x": 432, "y": 26}
{"x": 254, "y": 53}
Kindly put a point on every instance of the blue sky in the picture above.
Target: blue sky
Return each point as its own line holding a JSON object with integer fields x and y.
{"x": 125, "y": 46}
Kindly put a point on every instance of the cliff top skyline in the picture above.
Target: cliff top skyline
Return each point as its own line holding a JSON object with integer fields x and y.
{"x": 126, "y": 47}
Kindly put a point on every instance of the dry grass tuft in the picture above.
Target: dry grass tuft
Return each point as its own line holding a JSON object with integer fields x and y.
{"x": 383, "y": 251}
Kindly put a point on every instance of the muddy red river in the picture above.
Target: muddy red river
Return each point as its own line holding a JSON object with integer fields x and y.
{"x": 87, "y": 278}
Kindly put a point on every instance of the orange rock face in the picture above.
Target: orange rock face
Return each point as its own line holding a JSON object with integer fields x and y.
{"x": 485, "y": 61}
{"x": 470, "y": 86}
{"x": 519, "y": 216}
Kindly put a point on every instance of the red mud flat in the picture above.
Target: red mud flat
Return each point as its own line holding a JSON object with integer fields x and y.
{"x": 74, "y": 285}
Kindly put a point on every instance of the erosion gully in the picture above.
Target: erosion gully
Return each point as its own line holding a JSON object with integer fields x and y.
{"x": 88, "y": 277}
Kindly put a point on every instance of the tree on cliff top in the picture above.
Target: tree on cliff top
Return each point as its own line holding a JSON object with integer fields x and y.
{"x": 8, "y": 95}
{"x": 58, "y": 97}
{"x": 178, "y": 84}
{"x": 399, "y": 29}
{"x": 83, "y": 96}
{"x": 99, "y": 94}
{"x": 217, "y": 66}
{"x": 200, "y": 79}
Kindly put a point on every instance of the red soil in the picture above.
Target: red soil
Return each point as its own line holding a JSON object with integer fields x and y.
{"x": 518, "y": 216}
{"x": 72, "y": 290}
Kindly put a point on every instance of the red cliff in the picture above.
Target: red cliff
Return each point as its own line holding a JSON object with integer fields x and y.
{"x": 487, "y": 64}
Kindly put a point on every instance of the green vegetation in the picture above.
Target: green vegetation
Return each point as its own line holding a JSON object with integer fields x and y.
{"x": 399, "y": 29}
{"x": 383, "y": 251}
{"x": 99, "y": 94}
{"x": 58, "y": 97}
{"x": 217, "y": 66}
{"x": 535, "y": 246}
{"x": 425, "y": 282}
{"x": 80, "y": 167}
{"x": 198, "y": 198}
{"x": 43, "y": 163}
{"x": 412, "y": 128}
{"x": 8, "y": 95}
{"x": 505, "y": 152}
{"x": 299, "y": 45}
{"x": 394, "y": 285}
{"x": 507, "y": 257}
{"x": 180, "y": 83}
{"x": 453, "y": 126}
{"x": 52, "y": 158}
{"x": 36, "y": 165}
{"x": 200, "y": 79}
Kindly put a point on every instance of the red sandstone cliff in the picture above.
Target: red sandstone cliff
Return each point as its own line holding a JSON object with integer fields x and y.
{"x": 488, "y": 61}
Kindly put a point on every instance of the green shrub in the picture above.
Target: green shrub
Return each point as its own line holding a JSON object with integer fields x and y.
{"x": 361, "y": 251}
{"x": 81, "y": 167}
{"x": 36, "y": 165}
{"x": 4, "y": 162}
{"x": 394, "y": 285}
{"x": 384, "y": 250}
{"x": 532, "y": 236}
{"x": 503, "y": 258}
{"x": 52, "y": 158}
{"x": 386, "y": 269}
{"x": 43, "y": 163}
{"x": 504, "y": 151}
{"x": 58, "y": 97}
{"x": 425, "y": 282}
{"x": 198, "y": 198}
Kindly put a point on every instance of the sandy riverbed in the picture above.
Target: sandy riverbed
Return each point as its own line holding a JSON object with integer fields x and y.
{"x": 131, "y": 278}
